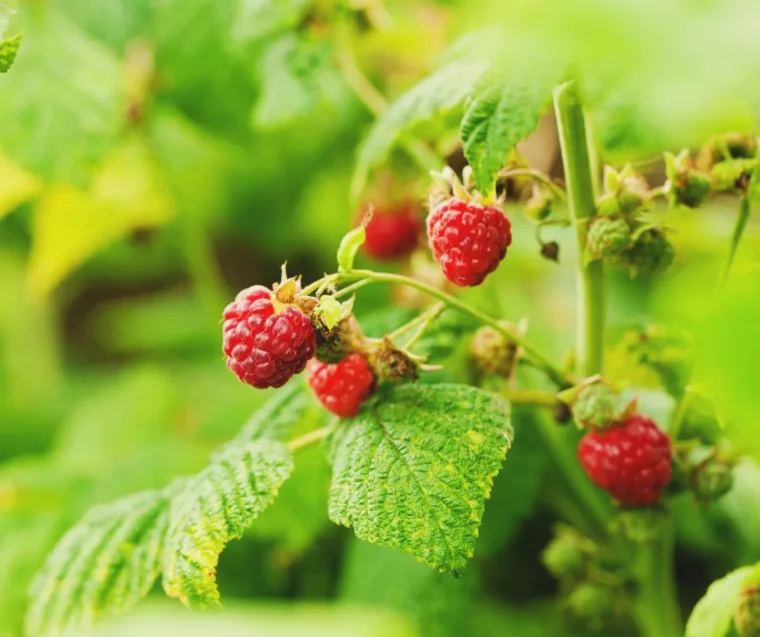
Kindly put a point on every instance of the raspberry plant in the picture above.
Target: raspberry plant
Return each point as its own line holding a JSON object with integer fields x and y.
{"x": 418, "y": 419}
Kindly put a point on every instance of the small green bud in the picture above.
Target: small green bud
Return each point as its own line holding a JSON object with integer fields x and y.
{"x": 733, "y": 174}
{"x": 608, "y": 237}
{"x": 607, "y": 205}
{"x": 591, "y": 602}
{"x": 492, "y": 352}
{"x": 565, "y": 556}
{"x": 597, "y": 407}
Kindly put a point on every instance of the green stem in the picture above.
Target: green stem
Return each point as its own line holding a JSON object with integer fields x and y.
{"x": 538, "y": 176}
{"x": 530, "y": 397}
{"x": 657, "y": 608}
{"x": 580, "y": 188}
{"x": 538, "y": 359}
{"x": 375, "y": 101}
{"x": 745, "y": 209}
{"x": 427, "y": 319}
{"x": 311, "y": 437}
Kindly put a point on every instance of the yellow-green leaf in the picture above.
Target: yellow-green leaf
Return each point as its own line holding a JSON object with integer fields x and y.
{"x": 71, "y": 225}
{"x": 16, "y": 185}
{"x": 217, "y": 506}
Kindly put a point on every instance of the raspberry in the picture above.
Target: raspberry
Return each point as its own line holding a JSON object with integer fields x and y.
{"x": 468, "y": 240}
{"x": 747, "y": 613}
{"x": 392, "y": 234}
{"x": 266, "y": 341}
{"x": 631, "y": 461}
{"x": 342, "y": 388}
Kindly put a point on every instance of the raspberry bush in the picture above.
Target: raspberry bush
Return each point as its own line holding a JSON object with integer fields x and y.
{"x": 510, "y": 348}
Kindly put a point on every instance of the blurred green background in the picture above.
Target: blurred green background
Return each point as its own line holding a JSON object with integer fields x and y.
{"x": 156, "y": 156}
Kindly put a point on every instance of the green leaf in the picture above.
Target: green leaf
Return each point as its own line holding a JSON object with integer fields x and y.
{"x": 103, "y": 566}
{"x": 257, "y": 19}
{"x": 439, "y": 99}
{"x": 8, "y": 52}
{"x": 499, "y": 115}
{"x": 379, "y": 577}
{"x": 279, "y": 416}
{"x": 299, "y": 82}
{"x": 349, "y": 246}
{"x": 516, "y": 488}
{"x": 217, "y": 506}
{"x": 64, "y": 97}
{"x": 713, "y": 613}
{"x": 414, "y": 469}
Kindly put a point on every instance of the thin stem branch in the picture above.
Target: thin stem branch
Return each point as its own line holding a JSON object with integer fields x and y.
{"x": 539, "y": 359}
{"x": 580, "y": 187}
{"x": 530, "y": 397}
{"x": 424, "y": 319}
{"x": 745, "y": 210}
{"x": 375, "y": 101}
{"x": 538, "y": 176}
{"x": 311, "y": 437}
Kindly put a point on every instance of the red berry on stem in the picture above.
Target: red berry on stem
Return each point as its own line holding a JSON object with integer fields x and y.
{"x": 342, "y": 388}
{"x": 630, "y": 461}
{"x": 265, "y": 341}
{"x": 392, "y": 234}
{"x": 468, "y": 239}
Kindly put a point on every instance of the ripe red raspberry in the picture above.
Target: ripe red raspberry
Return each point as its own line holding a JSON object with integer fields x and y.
{"x": 630, "y": 461}
{"x": 342, "y": 388}
{"x": 468, "y": 239}
{"x": 266, "y": 341}
{"x": 392, "y": 234}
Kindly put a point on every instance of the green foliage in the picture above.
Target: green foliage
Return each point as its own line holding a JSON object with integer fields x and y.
{"x": 437, "y": 100}
{"x": 214, "y": 507}
{"x": 109, "y": 561}
{"x": 257, "y": 19}
{"x": 713, "y": 613}
{"x": 414, "y": 469}
{"x": 298, "y": 80}
{"x": 500, "y": 113}
{"x": 8, "y": 51}
{"x": 349, "y": 246}
{"x": 54, "y": 81}
{"x": 103, "y": 566}
{"x": 378, "y": 577}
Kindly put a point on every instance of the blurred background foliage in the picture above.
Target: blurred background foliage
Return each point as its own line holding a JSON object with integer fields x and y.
{"x": 158, "y": 155}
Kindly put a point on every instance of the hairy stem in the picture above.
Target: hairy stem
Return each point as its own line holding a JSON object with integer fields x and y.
{"x": 580, "y": 188}
{"x": 538, "y": 359}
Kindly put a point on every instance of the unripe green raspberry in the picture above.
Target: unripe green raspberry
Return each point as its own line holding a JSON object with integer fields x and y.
{"x": 651, "y": 253}
{"x": 493, "y": 352}
{"x": 591, "y": 602}
{"x": 564, "y": 557}
{"x": 712, "y": 480}
{"x": 596, "y": 407}
{"x": 747, "y": 614}
{"x": 733, "y": 174}
{"x": 607, "y": 237}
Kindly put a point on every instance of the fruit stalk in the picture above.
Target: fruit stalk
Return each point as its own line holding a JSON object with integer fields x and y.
{"x": 745, "y": 209}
